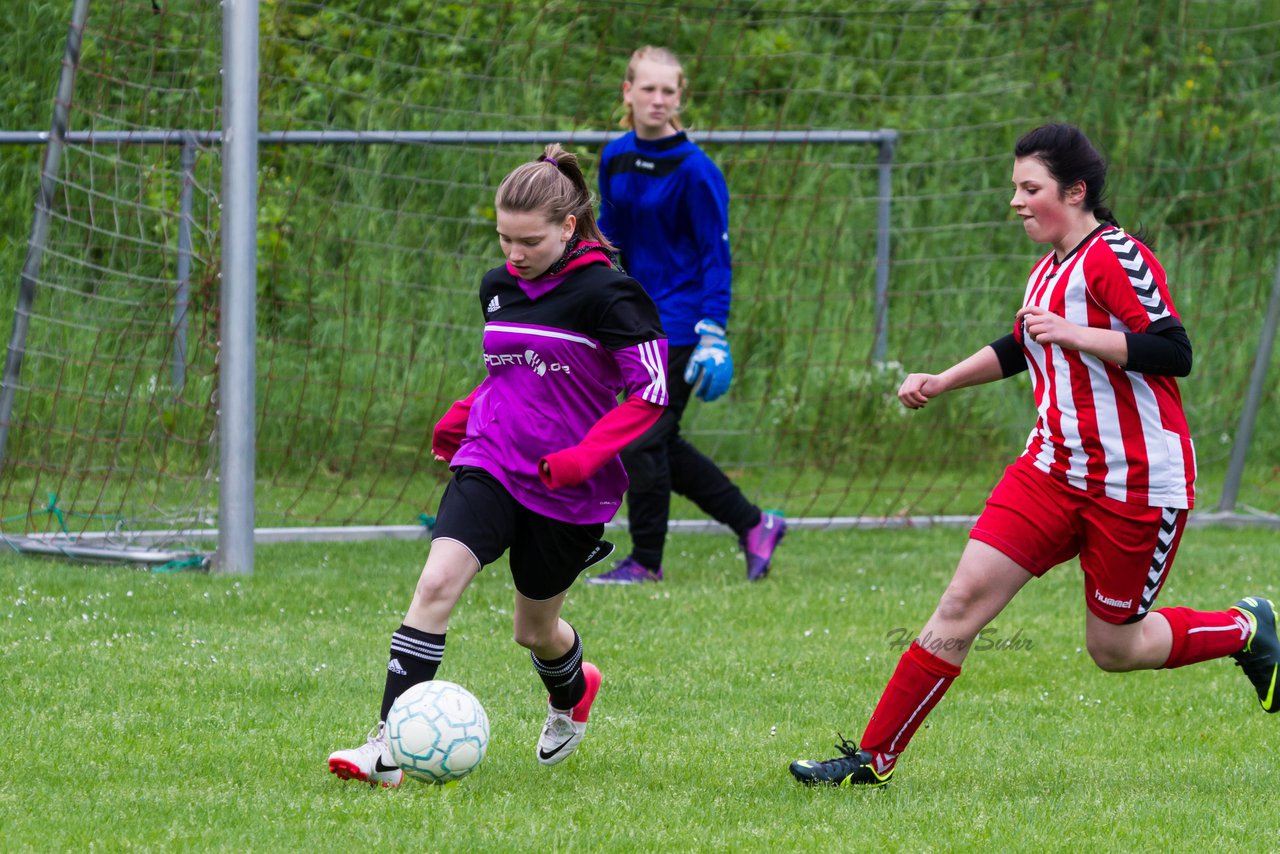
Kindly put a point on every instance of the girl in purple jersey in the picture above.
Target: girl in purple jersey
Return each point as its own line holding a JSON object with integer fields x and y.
{"x": 534, "y": 448}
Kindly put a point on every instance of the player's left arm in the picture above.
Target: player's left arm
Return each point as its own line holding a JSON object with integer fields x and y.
{"x": 618, "y": 428}
{"x": 710, "y": 368}
{"x": 1163, "y": 350}
{"x": 604, "y": 221}
{"x": 630, "y": 328}
{"x": 1155, "y": 341}
{"x": 1044, "y": 327}
{"x": 708, "y": 200}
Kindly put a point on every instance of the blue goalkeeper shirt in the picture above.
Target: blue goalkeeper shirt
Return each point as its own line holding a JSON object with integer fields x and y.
{"x": 665, "y": 205}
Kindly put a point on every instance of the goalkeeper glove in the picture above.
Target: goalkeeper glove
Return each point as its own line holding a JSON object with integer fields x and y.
{"x": 710, "y": 368}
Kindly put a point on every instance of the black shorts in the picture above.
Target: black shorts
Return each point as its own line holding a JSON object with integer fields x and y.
{"x": 546, "y": 554}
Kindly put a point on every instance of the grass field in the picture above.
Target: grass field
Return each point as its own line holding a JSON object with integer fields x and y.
{"x": 193, "y": 712}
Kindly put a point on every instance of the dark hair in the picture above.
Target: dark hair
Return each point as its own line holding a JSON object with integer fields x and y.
{"x": 1069, "y": 156}
{"x": 553, "y": 185}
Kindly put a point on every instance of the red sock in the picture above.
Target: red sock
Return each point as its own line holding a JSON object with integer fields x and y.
{"x": 1204, "y": 635}
{"x": 916, "y": 686}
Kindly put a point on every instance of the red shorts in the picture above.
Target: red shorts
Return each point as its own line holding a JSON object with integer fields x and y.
{"x": 1126, "y": 550}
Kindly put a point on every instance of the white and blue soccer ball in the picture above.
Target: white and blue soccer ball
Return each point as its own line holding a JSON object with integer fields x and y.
{"x": 438, "y": 731}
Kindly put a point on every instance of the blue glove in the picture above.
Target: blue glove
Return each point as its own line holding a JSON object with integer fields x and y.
{"x": 710, "y": 368}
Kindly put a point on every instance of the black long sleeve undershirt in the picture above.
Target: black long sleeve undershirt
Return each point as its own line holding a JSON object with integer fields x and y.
{"x": 1009, "y": 352}
{"x": 1163, "y": 350}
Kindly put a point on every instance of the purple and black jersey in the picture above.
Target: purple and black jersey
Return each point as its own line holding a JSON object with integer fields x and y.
{"x": 557, "y": 363}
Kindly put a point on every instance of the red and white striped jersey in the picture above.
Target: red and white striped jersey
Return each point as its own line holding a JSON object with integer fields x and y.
{"x": 1101, "y": 428}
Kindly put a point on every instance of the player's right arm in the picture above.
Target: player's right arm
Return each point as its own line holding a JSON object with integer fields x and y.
{"x": 451, "y": 429}
{"x": 604, "y": 219}
{"x": 983, "y": 366}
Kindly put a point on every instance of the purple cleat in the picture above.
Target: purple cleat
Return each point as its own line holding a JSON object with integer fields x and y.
{"x": 627, "y": 571}
{"x": 760, "y": 542}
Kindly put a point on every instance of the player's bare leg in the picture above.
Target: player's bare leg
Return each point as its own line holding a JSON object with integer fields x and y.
{"x": 416, "y": 648}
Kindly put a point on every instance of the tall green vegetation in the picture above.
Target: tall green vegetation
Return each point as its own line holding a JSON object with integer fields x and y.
{"x": 369, "y": 255}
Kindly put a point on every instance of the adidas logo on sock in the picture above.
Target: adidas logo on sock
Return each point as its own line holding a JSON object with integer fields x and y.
{"x": 493, "y": 306}
{"x": 394, "y": 666}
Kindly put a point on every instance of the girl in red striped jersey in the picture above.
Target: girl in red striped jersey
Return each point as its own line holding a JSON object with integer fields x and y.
{"x": 1108, "y": 473}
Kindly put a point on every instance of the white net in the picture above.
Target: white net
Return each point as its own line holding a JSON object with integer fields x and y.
{"x": 369, "y": 255}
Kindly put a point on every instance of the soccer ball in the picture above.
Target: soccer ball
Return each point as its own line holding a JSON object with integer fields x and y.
{"x": 438, "y": 731}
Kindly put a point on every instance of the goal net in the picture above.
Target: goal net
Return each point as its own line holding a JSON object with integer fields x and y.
{"x": 369, "y": 255}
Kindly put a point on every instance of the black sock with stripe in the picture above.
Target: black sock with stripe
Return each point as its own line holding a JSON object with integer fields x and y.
{"x": 563, "y": 676}
{"x": 415, "y": 657}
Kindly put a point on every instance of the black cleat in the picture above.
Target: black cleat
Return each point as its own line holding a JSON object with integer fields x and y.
{"x": 854, "y": 767}
{"x": 1260, "y": 658}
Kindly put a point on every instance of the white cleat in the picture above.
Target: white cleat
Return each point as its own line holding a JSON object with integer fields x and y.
{"x": 563, "y": 732}
{"x": 369, "y": 763}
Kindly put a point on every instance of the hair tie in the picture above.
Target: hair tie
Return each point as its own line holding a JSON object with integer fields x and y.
{"x": 550, "y": 160}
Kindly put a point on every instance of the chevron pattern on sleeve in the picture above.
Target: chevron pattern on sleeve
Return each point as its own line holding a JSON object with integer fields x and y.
{"x": 1144, "y": 284}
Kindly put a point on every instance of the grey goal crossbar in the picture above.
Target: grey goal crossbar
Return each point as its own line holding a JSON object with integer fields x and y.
{"x": 240, "y": 186}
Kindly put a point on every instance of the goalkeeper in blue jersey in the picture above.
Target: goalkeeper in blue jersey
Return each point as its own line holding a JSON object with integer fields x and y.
{"x": 665, "y": 205}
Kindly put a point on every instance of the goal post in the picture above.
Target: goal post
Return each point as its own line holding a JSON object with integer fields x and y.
{"x": 237, "y": 380}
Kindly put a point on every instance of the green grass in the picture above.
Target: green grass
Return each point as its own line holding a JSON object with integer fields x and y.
{"x": 187, "y": 711}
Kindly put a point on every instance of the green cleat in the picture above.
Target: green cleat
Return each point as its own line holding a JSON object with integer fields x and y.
{"x": 1260, "y": 658}
{"x": 853, "y": 767}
